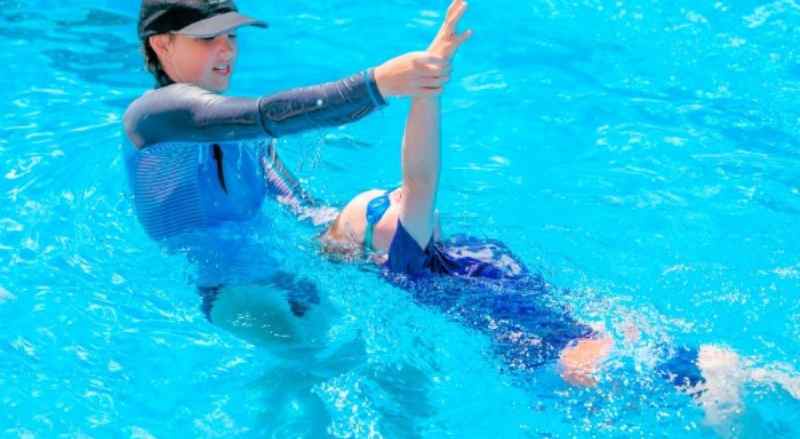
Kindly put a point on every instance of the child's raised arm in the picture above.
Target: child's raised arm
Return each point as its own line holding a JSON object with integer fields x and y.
{"x": 421, "y": 153}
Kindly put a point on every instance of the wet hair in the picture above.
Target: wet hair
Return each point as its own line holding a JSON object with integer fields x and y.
{"x": 338, "y": 245}
{"x": 153, "y": 64}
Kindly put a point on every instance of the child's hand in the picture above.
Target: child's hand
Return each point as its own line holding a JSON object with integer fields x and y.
{"x": 423, "y": 74}
{"x": 447, "y": 42}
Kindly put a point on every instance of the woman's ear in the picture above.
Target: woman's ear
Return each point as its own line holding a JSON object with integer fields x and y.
{"x": 160, "y": 44}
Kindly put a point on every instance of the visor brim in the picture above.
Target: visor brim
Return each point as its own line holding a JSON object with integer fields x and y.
{"x": 220, "y": 24}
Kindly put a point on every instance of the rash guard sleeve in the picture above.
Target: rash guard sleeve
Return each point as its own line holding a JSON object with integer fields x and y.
{"x": 183, "y": 112}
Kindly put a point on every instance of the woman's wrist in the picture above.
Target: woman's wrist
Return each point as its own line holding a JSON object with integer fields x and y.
{"x": 378, "y": 98}
{"x": 382, "y": 81}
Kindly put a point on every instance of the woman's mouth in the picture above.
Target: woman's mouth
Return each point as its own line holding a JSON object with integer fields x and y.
{"x": 222, "y": 69}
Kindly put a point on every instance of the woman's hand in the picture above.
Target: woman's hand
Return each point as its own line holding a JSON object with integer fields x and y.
{"x": 413, "y": 74}
{"x": 424, "y": 73}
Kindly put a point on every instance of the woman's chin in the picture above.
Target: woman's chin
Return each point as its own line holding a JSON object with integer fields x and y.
{"x": 217, "y": 84}
{"x": 221, "y": 87}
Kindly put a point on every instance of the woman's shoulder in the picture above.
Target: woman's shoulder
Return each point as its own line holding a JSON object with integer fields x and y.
{"x": 149, "y": 113}
{"x": 163, "y": 97}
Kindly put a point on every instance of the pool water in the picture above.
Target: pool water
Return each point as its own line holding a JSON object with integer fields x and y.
{"x": 644, "y": 156}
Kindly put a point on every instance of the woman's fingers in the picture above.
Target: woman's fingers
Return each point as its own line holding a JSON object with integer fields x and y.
{"x": 432, "y": 91}
{"x": 432, "y": 65}
{"x": 429, "y": 70}
{"x": 433, "y": 82}
{"x": 431, "y": 60}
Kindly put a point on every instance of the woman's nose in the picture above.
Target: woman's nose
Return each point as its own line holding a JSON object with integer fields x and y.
{"x": 227, "y": 45}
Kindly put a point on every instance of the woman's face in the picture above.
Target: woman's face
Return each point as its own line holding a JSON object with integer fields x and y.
{"x": 204, "y": 62}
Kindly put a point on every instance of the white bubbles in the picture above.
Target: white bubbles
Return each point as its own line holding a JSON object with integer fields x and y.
{"x": 735, "y": 42}
{"x": 140, "y": 433}
{"x": 762, "y": 13}
{"x": 695, "y": 17}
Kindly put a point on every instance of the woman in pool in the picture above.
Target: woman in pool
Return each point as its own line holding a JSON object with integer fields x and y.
{"x": 490, "y": 289}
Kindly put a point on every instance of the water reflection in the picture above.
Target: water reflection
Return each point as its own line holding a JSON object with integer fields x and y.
{"x": 97, "y": 17}
{"x": 98, "y": 48}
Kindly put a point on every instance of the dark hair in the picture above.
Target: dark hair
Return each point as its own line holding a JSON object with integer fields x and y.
{"x": 154, "y": 66}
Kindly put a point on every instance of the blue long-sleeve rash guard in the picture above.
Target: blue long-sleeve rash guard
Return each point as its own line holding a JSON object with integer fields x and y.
{"x": 195, "y": 160}
{"x": 187, "y": 113}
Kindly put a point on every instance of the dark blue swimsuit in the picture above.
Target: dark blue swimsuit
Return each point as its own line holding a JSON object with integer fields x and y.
{"x": 480, "y": 283}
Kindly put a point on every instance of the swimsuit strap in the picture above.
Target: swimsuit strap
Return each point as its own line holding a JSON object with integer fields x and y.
{"x": 376, "y": 208}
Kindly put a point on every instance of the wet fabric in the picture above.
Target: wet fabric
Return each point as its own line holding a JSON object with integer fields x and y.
{"x": 458, "y": 256}
{"x": 200, "y": 165}
{"x": 480, "y": 283}
{"x": 187, "y": 113}
{"x": 190, "y": 164}
{"x": 180, "y": 187}
{"x": 681, "y": 368}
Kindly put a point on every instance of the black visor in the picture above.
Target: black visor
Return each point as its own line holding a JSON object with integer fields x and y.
{"x": 194, "y": 18}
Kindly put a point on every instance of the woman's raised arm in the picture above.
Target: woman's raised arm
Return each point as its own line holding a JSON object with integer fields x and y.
{"x": 184, "y": 112}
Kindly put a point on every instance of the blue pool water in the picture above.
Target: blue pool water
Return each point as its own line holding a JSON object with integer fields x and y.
{"x": 643, "y": 155}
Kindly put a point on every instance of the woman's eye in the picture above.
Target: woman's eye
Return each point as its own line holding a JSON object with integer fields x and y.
{"x": 211, "y": 39}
